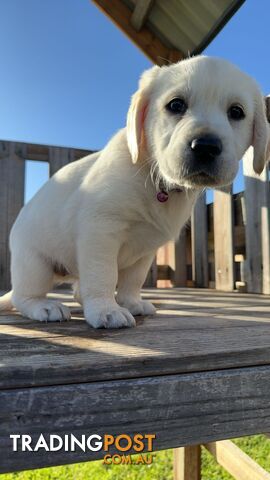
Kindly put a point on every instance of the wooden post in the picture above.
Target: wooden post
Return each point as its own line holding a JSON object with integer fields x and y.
{"x": 199, "y": 243}
{"x": 59, "y": 157}
{"x": 223, "y": 240}
{"x": 187, "y": 463}
{"x": 257, "y": 228}
{"x": 151, "y": 279}
{"x": 179, "y": 261}
{"x": 11, "y": 201}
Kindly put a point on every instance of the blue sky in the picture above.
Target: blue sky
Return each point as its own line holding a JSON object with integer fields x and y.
{"x": 67, "y": 73}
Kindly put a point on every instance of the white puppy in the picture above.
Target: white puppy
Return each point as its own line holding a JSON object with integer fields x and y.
{"x": 102, "y": 218}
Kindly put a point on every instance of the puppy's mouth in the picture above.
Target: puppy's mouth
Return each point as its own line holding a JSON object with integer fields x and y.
{"x": 201, "y": 179}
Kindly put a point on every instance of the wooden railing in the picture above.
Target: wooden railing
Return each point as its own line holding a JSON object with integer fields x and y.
{"x": 225, "y": 246}
{"x": 12, "y": 175}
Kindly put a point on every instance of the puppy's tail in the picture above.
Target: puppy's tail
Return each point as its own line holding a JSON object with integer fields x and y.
{"x": 5, "y": 301}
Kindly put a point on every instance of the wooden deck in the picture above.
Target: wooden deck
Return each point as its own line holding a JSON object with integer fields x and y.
{"x": 197, "y": 372}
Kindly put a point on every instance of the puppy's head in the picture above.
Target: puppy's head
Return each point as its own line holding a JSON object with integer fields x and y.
{"x": 195, "y": 120}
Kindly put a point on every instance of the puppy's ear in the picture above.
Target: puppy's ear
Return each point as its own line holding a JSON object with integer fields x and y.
{"x": 137, "y": 114}
{"x": 261, "y": 134}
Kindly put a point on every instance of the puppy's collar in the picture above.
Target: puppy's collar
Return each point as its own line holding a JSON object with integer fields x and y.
{"x": 163, "y": 193}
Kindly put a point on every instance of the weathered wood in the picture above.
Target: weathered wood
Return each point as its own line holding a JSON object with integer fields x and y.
{"x": 187, "y": 463}
{"x": 150, "y": 44}
{"x": 179, "y": 409}
{"x": 140, "y": 13}
{"x": 11, "y": 201}
{"x": 236, "y": 462}
{"x": 178, "y": 261}
{"x": 199, "y": 243}
{"x": 152, "y": 276}
{"x": 32, "y": 151}
{"x": 223, "y": 240}
{"x": 257, "y": 201}
{"x": 195, "y": 330}
{"x": 59, "y": 157}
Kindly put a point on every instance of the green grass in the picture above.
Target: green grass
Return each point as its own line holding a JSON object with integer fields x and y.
{"x": 257, "y": 447}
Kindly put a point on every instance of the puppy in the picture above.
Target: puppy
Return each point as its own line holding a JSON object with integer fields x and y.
{"x": 101, "y": 219}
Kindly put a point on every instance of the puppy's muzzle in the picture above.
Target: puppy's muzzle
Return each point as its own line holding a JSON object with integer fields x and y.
{"x": 202, "y": 165}
{"x": 207, "y": 147}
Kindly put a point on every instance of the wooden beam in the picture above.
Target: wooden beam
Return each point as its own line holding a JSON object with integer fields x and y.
{"x": 140, "y": 13}
{"x": 223, "y": 240}
{"x": 178, "y": 409}
{"x": 33, "y": 151}
{"x": 187, "y": 463}
{"x": 11, "y": 201}
{"x": 150, "y": 45}
{"x": 199, "y": 243}
{"x": 236, "y": 462}
{"x": 257, "y": 228}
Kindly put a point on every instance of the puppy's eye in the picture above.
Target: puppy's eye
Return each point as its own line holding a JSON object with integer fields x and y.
{"x": 177, "y": 105}
{"x": 236, "y": 112}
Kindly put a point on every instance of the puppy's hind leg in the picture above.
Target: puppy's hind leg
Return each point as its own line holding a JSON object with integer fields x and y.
{"x": 32, "y": 278}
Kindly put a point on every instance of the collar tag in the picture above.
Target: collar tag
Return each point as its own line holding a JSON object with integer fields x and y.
{"x": 162, "y": 196}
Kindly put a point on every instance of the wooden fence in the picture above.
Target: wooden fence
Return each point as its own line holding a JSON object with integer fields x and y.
{"x": 225, "y": 246}
{"x": 12, "y": 182}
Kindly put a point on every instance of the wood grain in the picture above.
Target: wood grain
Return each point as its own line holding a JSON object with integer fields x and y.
{"x": 223, "y": 241}
{"x": 193, "y": 331}
{"x": 187, "y": 463}
{"x": 59, "y": 157}
{"x": 11, "y": 202}
{"x": 180, "y": 410}
{"x": 199, "y": 243}
{"x": 257, "y": 200}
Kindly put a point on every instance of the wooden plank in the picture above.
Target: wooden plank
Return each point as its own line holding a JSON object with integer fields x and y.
{"x": 173, "y": 258}
{"x": 195, "y": 330}
{"x": 140, "y": 13}
{"x": 11, "y": 201}
{"x": 236, "y": 462}
{"x": 223, "y": 240}
{"x": 58, "y": 158}
{"x": 152, "y": 276}
{"x": 199, "y": 243}
{"x": 32, "y": 151}
{"x": 179, "y": 262}
{"x": 187, "y": 463}
{"x": 179, "y": 409}
{"x": 257, "y": 201}
{"x": 150, "y": 44}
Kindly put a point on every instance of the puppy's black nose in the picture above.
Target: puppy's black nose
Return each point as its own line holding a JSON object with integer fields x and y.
{"x": 207, "y": 146}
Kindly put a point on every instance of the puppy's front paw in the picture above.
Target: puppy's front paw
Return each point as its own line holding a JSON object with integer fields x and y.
{"x": 138, "y": 307}
{"x": 43, "y": 310}
{"x": 103, "y": 314}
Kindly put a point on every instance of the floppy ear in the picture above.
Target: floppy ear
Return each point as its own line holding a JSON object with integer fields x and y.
{"x": 137, "y": 114}
{"x": 261, "y": 132}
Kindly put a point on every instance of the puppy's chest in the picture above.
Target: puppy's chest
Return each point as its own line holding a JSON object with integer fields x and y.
{"x": 159, "y": 224}
{"x": 142, "y": 239}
